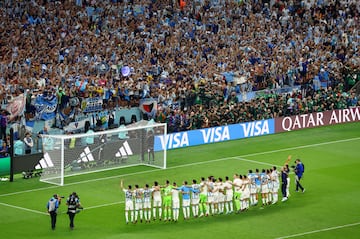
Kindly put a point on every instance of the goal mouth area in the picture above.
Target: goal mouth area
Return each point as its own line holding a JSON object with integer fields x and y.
{"x": 92, "y": 152}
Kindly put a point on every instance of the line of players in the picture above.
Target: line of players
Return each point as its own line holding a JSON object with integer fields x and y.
{"x": 209, "y": 197}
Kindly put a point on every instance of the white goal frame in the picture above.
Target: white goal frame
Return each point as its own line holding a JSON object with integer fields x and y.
{"x": 54, "y": 170}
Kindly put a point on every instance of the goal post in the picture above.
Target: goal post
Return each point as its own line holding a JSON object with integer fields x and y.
{"x": 126, "y": 146}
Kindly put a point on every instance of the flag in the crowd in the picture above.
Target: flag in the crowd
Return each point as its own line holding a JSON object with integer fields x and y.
{"x": 66, "y": 114}
{"x": 29, "y": 125}
{"x": 16, "y": 107}
{"x": 148, "y": 106}
{"x": 81, "y": 84}
{"x": 45, "y": 107}
{"x": 75, "y": 126}
{"x": 93, "y": 104}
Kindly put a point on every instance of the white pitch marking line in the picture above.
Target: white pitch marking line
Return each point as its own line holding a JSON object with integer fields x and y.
{"x": 104, "y": 205}
{"x": 23, "y": 208}
{"x": 300, "y": 147}
{"x": 320, "y": 230}
{"x": 254, "y": 161}
{"x": 185, "y": 165}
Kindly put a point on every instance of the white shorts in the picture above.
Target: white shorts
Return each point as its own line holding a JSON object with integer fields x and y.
{"x": 210, "y": 199}
{"x": 229, "y": 197}
{"x": 129, "y": 206}
{"x": 176, "y": 204}
{"x": 216, "y": 198}
{"x": 147, "y": 204}
{"x": 157, "y": 202}
{"x": 276, "y": 187}
{"x": 195, "y": 201}
{"x": 221, "y": 197}
{"x": 138, "y": 205}
{"x": 245, "y": 194}
{"x": 253, "y": 189}
{"x": 264, "y": 189}
{"x": 186, "y": 203}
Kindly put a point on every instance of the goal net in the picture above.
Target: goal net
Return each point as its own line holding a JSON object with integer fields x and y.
{"x": 74, "y": 154}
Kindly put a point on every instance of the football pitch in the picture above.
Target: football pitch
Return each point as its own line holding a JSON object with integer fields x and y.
{"x": 330, "y": 207}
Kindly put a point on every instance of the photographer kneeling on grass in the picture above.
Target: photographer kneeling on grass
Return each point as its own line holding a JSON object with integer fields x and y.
{"x": 73, "y": 203}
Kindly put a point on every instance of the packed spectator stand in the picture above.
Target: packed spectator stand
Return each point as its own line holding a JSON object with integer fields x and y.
{"x": 205, "y": 63}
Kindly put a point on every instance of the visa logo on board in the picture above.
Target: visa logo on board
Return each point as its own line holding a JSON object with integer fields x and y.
{"x": 256, "y": 128}
{"x": 175, "y": 140}
{"x": 216, "y": 134}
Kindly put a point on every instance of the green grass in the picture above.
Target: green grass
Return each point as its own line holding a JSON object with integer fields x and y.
{"x": 330, "y": 155}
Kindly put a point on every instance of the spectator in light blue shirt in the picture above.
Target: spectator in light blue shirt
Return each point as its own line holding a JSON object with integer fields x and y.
{"x": 19, "y": 147}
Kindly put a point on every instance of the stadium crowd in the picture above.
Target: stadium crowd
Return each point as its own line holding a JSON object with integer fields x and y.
{"x": 126, "y": 50}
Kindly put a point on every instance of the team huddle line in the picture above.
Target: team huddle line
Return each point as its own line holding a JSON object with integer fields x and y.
{"x": 209, "y": 197}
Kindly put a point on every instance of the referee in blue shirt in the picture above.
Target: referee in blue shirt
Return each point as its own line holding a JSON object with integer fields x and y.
{"x": 299, "y": 171}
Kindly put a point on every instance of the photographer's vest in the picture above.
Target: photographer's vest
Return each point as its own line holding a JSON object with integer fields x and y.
{"x": 72, "y": 204}
{"x": 52, "y": 205}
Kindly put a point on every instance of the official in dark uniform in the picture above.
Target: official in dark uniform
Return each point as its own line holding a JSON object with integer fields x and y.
{"x": 284, "y": 176}
{"x": 299, "y": 171}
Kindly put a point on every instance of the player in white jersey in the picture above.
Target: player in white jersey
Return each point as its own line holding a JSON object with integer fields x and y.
{"x": 220, "y": 196}
{"x": 276, "y": 184}
{"x": 138, "y": 192}
{"x": 237, "y": 183}
{"x": 229, "y": 206}
{"x": 253, "y": 188}
{"x": 245, "y": 195}
{"x": 195, "y": 198}
{"x": 157, "y": 202}
{"x": 270, "y": 186}
{"x": 129, "y": 203}
{"x": 147, "y": 192}
{"x": 175, "y": 202}
{"x": 264, "y": 187}
{"x": 210, "y": 196}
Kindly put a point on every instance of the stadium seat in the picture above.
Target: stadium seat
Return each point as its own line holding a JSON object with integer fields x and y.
{"x": 122, "y": 120}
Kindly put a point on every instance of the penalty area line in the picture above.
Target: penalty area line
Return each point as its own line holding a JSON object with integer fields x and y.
{"x": 320, "y": 230}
